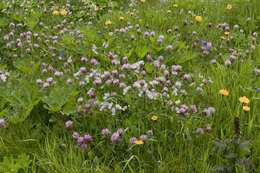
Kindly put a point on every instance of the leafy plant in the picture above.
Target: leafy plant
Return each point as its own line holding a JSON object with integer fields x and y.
{"x": 235, "y": 152}
{"x": 15, "y": 165}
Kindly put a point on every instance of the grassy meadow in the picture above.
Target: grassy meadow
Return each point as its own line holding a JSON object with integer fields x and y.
{"x": 129, "y": 86}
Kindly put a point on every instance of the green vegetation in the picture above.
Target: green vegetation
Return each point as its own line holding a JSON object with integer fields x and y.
{"x": 129, "y": 86}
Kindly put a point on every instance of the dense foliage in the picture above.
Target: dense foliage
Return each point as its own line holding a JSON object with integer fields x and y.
{"x": 133, "y": 86}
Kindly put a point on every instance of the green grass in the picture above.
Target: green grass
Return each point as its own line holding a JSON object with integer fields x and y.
{"x": 175, "y": 145}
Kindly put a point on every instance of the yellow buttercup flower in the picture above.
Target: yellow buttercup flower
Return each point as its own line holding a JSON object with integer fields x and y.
{"x": 96, "y": 9}
{"x": 139, "y": 142}
{"x": 226, "y": 33}
{"x": 121, "y": 18}
{"x": 224, "y": 92}
{"x": 198, "y": 18}
{"x": 223, "y": 38}
{"x": 154, "y": 118}
{"x": 143, "y": 1}
{"x": 246, "y": 108}
{"x": 63, "y": 12}
{"x": 55, "y": 12}
{"x": 108, "y": 22}
{"x": 169, "y": 11}
{"x": 132, "y": 13}
{"x": 229, "y": 6}
{"x": 244, "y": 99}
{"x": 175, "y": 5}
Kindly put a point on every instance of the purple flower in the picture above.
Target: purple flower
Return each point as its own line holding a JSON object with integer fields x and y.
{"x": 169, "y": 47}
{"x": 69, "y": 125}
{"x": 95, "y": 103}
{"x": 209, "y": 45}
{"x": 206, "y": 112}
{"x": 159, "y": 40}
{"x": 81, "y": 83}
{"x": 80, "y": 140}
{"x": 87, "y": 106}
{"x": 75, "y": 135}
{"x": 149, "y": 58}
{"x": 132, "y": 140}
{"x": 46, "y": 85}
{"x": 212, "y": 110}
{"x": 82, "y": 69}
{"x": 69, "y": 81}
{"x": 115, "y": 137}
{"x": 227, "y": 62}
{"x": 120, "y": 132}
{"x": 39, "y": 81}
{"x": 213, "y": 61}
{"x": 132, "y": 37}
{"x": 200, "y": 131}
{"x": 187, "y": 77}
{"x": 106, "y": 132}
{"x": 149, "y": 132}
{"x": 6, "y": 37}
{"x": 83, "y": 146}
{"x": 193, "y": 108}
{"x": 146, "y": 34}
{"x": 143, "y": 138}
{"x": 63, "y": 53}
{"x": 93, "y": 61}
{"x": 80, "y": 100}
{"x": 208, "y": 128}
{"x": 177, "y": 68}
{"x": 88, "y": 138}
{"x": 2, "y": 123}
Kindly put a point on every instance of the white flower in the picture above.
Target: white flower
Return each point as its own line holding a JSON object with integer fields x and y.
{"x": 177, "y": 102}
{"x": 126, "y": 90}
{"x": 105, "y": 45}
{"x": 113, "y": 110}
{"x": 3, "y": 77}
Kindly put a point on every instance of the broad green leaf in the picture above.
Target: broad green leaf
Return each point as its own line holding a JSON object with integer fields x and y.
{"x": 58, "y": 97}
{"x": 71, "y": 106}
{"x": 24, "y": 65}
{"x": 148, "y": 67}
{"x": 4, "y": 21}
{"x": 187, "y": 56}
{"x": 31, "y": 22}
{"x": 21, "y": 97}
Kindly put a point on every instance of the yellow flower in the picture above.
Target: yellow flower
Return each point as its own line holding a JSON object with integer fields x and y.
{"x": 154, "y": 118}
{"x": 169, "y": 11}
{"x": 139, "y": 142}
{"x": 143, "y": 1}
{"x": 121, "y": 18}
{"x": 244, "y": 99}
{"x": 223, "y": 38}
{"x": 246, "y": 108}
{"x": 108, "y": 22}
{"x": 175, "y": 5}
{"x": 132, "y": 13}
{"x": 224, "y": 92}
{"x": 226, "y": 33}
{"x": 96, "y": 9}
{"x": 63, "y": 12}
{"x": 198, "y": 18}
{"x": 55, "y": 12}
{"x": 229, "y": 6}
